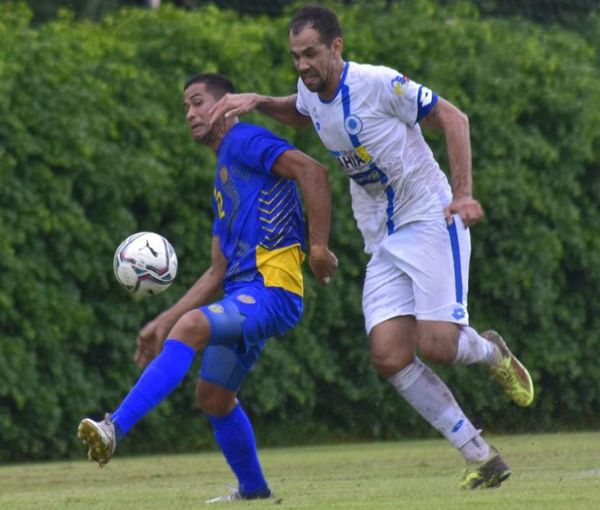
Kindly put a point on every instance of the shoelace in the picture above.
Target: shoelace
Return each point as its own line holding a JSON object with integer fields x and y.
{"x": 505, "y": 373}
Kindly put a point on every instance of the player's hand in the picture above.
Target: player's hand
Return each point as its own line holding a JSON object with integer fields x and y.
{"x": 231, "y": 105}
{"x": 323, "y": 263}
{"x": 469, "y": 210}
{"x": 150, "y": 340}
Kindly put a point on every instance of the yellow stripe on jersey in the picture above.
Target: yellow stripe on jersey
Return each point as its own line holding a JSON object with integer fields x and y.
{"x": 362, "y": 152}
{"x": 281, "y": 267}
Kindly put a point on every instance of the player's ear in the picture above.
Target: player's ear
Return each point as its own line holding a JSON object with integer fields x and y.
{"x": 337, "y": 46}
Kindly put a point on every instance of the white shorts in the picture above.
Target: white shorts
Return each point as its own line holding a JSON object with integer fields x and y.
{"x": 422, "y": 270}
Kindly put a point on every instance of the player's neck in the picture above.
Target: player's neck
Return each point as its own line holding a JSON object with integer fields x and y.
{"x": 330, "y": 91}
{"x": 215, "y": 136}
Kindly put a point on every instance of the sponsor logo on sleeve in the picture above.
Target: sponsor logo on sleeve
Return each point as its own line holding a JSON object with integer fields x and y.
{"x": 426, "y": 96}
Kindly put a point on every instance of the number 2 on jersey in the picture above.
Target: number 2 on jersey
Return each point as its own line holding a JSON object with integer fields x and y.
{"x": 219, "y": 199}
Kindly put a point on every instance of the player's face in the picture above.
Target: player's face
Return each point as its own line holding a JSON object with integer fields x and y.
{"x": 197, "y": 102}
{"x": 314, "y": 61}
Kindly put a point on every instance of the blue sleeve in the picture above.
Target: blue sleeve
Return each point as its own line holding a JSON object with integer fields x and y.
{"x": 426, "y": 100}
{"x": 259, "y": 148}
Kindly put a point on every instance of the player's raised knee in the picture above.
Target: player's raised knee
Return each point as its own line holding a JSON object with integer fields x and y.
{"x": 387, "y": 362}
{"x": 192, "y": 328}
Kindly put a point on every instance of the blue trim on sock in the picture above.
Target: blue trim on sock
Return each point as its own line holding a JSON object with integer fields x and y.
{"x": 235, "y": 437}
{"x": 155, "y": 384}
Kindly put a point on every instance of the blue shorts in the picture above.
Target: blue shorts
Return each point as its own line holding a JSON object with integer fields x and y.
{"x": 240, "y": 325}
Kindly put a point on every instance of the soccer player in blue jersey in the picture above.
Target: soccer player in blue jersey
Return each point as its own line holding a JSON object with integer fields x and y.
{"x": 413, "y": 221}
{"x": 257, "y": 250}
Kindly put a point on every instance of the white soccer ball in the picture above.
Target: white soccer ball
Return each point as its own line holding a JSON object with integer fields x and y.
{"x": 145, "y": 264}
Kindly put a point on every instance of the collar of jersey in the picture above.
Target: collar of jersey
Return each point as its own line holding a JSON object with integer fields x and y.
{"x": 340, "y": 85}
{"x": 223, "y": 140}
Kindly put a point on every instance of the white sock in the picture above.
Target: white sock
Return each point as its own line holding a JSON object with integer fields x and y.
{"x": 476, "y": 450}
{"x": 432, "y": 399}
{"x": 473, "y": 348}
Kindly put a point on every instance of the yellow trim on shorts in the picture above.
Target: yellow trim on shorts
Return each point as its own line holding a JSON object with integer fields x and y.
{"x": 282, "y": 267}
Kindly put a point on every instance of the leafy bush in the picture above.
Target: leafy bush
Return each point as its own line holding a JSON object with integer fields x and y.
{"x": 94, "y": 146}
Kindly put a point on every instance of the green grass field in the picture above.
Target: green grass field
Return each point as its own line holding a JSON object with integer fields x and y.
{"x": 554, "y": 471}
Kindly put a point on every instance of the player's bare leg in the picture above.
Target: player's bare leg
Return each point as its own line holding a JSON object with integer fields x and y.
{"x": 438, "y": 340}
{"x": 393, "y": 345}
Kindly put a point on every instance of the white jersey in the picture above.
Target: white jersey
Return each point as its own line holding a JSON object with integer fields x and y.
{"x": 370, "y": 126}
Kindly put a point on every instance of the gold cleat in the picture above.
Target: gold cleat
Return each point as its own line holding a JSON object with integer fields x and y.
{"x": 510, "y": 373}
{"x": 487, "y": 474}
{"x": 101, "y": 438}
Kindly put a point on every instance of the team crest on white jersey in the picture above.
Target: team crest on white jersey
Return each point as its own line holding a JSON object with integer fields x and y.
{"x": 353, "y": 125}
{"x": 397, "y": 83}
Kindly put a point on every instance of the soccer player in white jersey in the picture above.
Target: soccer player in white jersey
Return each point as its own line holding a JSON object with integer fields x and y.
{"x": 414, "y": 224}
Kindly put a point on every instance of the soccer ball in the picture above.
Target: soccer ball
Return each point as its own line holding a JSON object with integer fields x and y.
{"x": 145, "y": 264}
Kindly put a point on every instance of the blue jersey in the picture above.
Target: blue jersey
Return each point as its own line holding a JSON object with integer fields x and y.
{"x": 258, "y": 214}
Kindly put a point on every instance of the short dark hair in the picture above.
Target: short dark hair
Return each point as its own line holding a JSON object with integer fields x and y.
{"x": 217, "y": 84}
{"x": 322, "y": 20}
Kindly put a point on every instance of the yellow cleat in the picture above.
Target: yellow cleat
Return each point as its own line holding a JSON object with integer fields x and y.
{"x": 487, "y": 474}
{"x": 510, "y": 373}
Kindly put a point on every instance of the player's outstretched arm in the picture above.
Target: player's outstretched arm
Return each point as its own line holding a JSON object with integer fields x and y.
{"x": 282, "y": 109}
{"x": 152, "y": 335}
{"x": 455, "y": 124}
{"x": 313, "y": 180}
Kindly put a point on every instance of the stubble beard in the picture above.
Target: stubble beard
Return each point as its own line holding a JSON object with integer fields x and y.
{"x": 318, "y": 86}
{"x": 210, "y": 136}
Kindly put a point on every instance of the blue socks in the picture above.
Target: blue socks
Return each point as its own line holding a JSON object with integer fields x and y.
{"x": 235, "y": 437}
{"x": 233, "y": 432}
{"x": 155, "y": 384}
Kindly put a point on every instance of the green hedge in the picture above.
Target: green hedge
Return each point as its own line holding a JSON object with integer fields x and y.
{"x": 94, "y": 146}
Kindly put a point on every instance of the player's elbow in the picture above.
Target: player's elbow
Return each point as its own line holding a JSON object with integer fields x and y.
{"x": 463, "y": 119}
